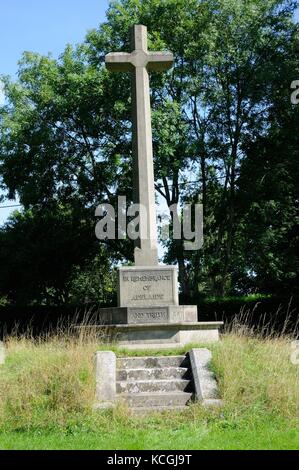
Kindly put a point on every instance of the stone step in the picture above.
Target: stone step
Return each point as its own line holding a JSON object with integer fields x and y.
{"x": 159, "y": 386}
{"x": 153, "y": 374}
{"x": 158, "y": 409}
{"x": 148, "y": 400}
{"x": 152, "y": 362}
{"x": 152, "y": 346}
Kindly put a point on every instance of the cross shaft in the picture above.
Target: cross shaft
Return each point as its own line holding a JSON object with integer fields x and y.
{"x": 140, "y": 61}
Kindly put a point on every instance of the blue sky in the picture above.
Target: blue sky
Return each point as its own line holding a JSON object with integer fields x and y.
{"x": 43, "y": 26}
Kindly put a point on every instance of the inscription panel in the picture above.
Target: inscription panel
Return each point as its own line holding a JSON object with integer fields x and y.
{"x": 148, "y": 287}
{"x": 177, "y": 315}
{"x": 151, "y": 315}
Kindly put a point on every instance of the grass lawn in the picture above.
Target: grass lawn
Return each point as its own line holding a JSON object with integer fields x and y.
{"x": 151, "y": 436}
{"x": 47, "y": 392}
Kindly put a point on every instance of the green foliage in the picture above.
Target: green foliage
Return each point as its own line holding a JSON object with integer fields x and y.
{"x": 245, "y": 299}
{"x": 3, "y": 301}
{"x": 221, "y": 118}
{"x": 42, "y": 255}
{"x": 96, "y": 282}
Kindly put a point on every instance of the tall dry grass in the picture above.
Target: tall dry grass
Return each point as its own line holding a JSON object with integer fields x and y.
{"x": 49, "y": 382}
{"x": 254, "y": 367}
{"x": 49, "y": 379}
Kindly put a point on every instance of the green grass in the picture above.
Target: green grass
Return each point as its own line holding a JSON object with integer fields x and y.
{"x": 47, "y": 392}
{"x": 168, "y": 432}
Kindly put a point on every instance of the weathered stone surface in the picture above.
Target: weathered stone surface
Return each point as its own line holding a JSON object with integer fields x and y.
{"x": 199, "y": 335}
{"x": 105, "y": 378}
{"x": 113, "y": 316}
{"x": 139, "y": 63}
{"x": 148, "y": 313}
{"x": 152, "y": 346}
{"x": 212, "y": 403}
{"x": 151, "y": 315}
{"x": 154, "y": 382}
{"x": 151, "y": 362}
{"x": 153, "y": 374}
{"x": 153, "y": 400}
{"x": 153, "y": 385}
{"x": 144, "y": 410}
{"x": 147, "y": 286}
{"x": 206, "y": 389}
{"x": 148, "y": 336}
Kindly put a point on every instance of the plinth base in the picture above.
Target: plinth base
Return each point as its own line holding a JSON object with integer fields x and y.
{"x": 172, "y": 334}
{"x": 151, "y": 315}
{"x": 163, "y": 335}
{"x": 153, "y": 327}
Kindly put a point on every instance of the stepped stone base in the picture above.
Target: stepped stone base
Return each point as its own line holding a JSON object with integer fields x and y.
{"x": 163, "y": 335}
{"x": 155, "y": 383}
{"x": 154, "y": 400}
{"x": 149, "y": 315}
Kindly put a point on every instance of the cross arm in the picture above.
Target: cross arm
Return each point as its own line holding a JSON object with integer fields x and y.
{"x": 159, "y": 61}
{"x": 118, "y": 62}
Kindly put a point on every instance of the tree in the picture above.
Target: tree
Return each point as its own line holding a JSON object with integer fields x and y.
{"x": 66, "y": 132}
{"x": 41, "y": 254}
{"x": 269, "y": 192}
{"x": 58, "y": 156}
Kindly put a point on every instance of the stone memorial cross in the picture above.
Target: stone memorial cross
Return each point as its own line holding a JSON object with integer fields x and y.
{"x": 140, "y": 61}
